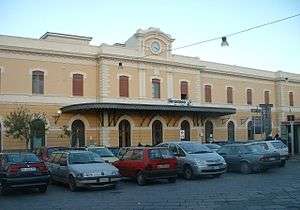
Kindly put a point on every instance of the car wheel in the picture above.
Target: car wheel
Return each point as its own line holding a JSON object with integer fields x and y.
{"x": 43, "y": 189}
{"x": 72, "y": 184}
{"x": 188, "y": 173}
{"x": 282, "y": 163}
{"x": 245, "y": 168}
{"x": 4, "y": 190}
{"x": 172, "y": 179}
{"x": 140, "y": 179}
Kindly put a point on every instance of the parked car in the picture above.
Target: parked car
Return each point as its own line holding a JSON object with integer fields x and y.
{"x": 44, "y": 152}
{"x": 195, "y": 159}
{"x": 79, "y": 168}
{"x": 147, "y": 163}
{"x": 22, "y": 170}
{"x": 114, "y": 150}
{"x": 213, "y": 147}
{"x": 104, "y": 153}
{"x": 275, "y": 146}
{"x": 248, "y": 158}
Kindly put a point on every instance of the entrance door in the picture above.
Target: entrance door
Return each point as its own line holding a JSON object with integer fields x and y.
{"x": 250, "y": 129}
{"x": 124, "y": 134}
{"x": 0, "y": 137}
{"x": 209, "y": 131}
{"x": 185, "y": 125}
{"x": 37, "y": 135}
{"x": 157, "y": 132}
{"x": 230, "y": 130}
{"x": 78, "y": 134}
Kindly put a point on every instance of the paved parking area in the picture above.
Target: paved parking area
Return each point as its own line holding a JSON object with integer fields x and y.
{"x": 276, "y": 189}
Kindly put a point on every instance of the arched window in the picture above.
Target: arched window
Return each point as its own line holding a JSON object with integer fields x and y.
{"x": 185, "y": 125}
{"x": 157, "y": 132}
{"x": 123, "y": 86}
{"x": 209, "y": 131}
{"x": 124, "y": 134}
{"x": 250, "y": 129}
{"x": 77, "y": 85}
{"x": 230, "y": 131}
{"x": 155, "y": 88}
{"x": 37, "y": 134}
{"x": 184, "y": 89}
{"x": 78, "y": 134}
{"x": 38, "y": 82}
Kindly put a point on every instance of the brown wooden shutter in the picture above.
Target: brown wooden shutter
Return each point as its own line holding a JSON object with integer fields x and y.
{"x": 291, "y": 98}
{"x": 267, "y": 97}
{"x": 123, "y": 86}
{"x": 208, "y": 93}
{"x": 184, "y": 88}
{"x": 229, "y": 95}
{"x": 249, "y": 96}
{"x": 77, "y": 85}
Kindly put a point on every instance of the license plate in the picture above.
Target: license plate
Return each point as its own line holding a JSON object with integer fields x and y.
{"x": 28, "y": 169}
{"x": 163, "y": 166}
{"x": 215, "y": 167}
{"x": 103, "y": 180}
{"x": 272, "y": 158}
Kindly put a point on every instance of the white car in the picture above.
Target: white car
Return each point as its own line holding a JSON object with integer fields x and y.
{"x": 276, "y": 146}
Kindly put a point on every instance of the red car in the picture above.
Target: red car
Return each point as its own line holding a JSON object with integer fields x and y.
{"x": 146, "y": 163}
{"x": 45, "y": 152}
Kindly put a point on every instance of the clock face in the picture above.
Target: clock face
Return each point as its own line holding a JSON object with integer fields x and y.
{"x": 155, "y": 47}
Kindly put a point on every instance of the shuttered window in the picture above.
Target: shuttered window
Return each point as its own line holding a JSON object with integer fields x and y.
{"x": 184, "y": 89}
{"x": 38, "y": 82}
{"x": 249, "y": 96}
{"x": 123, "y": 86}
{"x": 267, "y": 97}
{"x": 155, "y": 88}
{"x": 291, "y": 98}
{"x": 229, "y": 95}
{"x": 77, "y": 85}
{"x": 207, "y": 93}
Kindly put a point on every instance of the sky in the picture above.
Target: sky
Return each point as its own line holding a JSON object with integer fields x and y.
{"x": 274, "y": 47}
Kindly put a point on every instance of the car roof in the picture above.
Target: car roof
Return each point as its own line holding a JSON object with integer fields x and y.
{"x": 180, "y": 142}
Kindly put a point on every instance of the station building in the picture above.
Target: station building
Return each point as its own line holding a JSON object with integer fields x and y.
{"x": 137, "y": 92}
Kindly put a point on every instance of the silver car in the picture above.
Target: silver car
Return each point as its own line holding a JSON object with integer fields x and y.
{"x": 79, "y": 168}
{"x": 195, "y": 159}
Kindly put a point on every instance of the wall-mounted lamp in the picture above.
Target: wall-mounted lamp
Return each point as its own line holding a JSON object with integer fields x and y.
{"x": 57, "y": 116}
{"x": 224, "y": 42}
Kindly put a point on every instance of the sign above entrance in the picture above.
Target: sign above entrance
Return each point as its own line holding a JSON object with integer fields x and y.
{"x": 183, "y": 102}
{"x": 182, "y": 134}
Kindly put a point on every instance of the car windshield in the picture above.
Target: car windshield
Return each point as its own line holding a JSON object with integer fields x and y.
{"x": 255, "y": 149}
{"x": 102, "y": 152}
{"x": 278, "y": 145}
{"x": 84, "y": 158}
{"x": 194, "y": 148}
{"x": 161, "y": 153}
{"x": 51, "y": 150}
{"x": 22, "y": 158}
{"x": 212, "y": 146}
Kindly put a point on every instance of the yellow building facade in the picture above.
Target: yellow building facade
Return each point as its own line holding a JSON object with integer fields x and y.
{"x": 137, "y": 92}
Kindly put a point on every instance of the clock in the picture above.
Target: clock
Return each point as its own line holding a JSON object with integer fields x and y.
{"x": 155, "y": 47}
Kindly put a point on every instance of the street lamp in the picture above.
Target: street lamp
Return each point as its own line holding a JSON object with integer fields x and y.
{"x": 57, "y": 116}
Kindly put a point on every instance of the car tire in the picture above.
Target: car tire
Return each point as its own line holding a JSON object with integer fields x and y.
{"x": 72, "y": 184}
{"x": 282, "y": 163}
{"x": 43, "y": 189}
{"x": 4, "y": 190}
{"x": 245, "y": 168}
{"x": 140, "y": 179}
{"x": 188, "y": 173}
{"x": 172, "y": 179}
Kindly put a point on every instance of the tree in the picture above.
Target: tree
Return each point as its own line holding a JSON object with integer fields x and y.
{"x": 66, "y": 132}
{"x": 19, "y": 124}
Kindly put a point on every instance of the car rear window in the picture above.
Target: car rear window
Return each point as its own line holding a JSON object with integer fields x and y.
{"x": 278, "y": 144}
{"x": 102, "y": 152}
{"x": 84, "y": 158}
{"x": 22, "y": 158}
{"x": 264, "y": 145}
{"x": 255, "y": 149}
{"x": 162, "y": 153}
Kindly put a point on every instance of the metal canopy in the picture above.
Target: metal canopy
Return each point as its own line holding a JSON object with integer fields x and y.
{"x": 84, "y": 107}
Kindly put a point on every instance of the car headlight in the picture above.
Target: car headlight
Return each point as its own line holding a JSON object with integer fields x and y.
{"x": 115, "y": 173}
{"x": 80, "y": 175}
